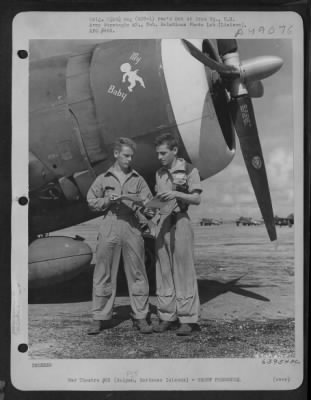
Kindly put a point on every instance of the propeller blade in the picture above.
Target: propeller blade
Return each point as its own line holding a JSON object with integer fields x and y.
{"x": 243, "y": 83}
{"x": 226, "y": 46}
{"x": 243, "y": 118}
{"x": 255, "y": 89}
{"x": 222, "y": 69}
{"x": 209, "y": 50}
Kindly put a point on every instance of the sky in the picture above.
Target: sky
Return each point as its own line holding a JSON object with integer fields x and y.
{"x": 229, "y": 194}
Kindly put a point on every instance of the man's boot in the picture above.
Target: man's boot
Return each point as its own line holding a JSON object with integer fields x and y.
{"x": 163, "y": 326}
{"x": 184, "y": 330}
{"x": 99, "y": 325}
{"x": 94, "y": 328}
{"x": 142, "y": 325}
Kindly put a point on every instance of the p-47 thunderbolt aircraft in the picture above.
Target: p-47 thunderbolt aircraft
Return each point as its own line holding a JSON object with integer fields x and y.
{"x": 80, "y": 103}
{"x": 210, "y": 221}
{"x": 247, "y": 221}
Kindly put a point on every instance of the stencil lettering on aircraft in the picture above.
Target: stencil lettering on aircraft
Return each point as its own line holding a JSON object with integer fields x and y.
{"x": 135, "y": 57}
{"x": 117, "y": 92}
{"x": 245, "y": 115}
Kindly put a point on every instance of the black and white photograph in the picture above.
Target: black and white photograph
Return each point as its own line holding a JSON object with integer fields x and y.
{"x": 161, "y": 154}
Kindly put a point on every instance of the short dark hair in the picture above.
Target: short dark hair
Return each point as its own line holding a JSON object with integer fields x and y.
{"x": 123, "y": 141}
{"x": 167, "y": 138}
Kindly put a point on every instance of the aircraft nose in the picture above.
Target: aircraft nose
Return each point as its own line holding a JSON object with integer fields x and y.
{"x": 188, "y": 83}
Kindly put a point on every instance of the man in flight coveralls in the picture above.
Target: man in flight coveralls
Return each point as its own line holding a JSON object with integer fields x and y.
{"x": 177, "y": 183}
{"x": 119, "y": 232}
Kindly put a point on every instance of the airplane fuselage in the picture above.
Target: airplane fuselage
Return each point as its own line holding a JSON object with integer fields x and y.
{"x": 79, "y": 104}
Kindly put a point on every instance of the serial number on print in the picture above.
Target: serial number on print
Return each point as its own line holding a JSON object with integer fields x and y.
{"x": 280, "y": 361}
{"x": 272, "y": 30}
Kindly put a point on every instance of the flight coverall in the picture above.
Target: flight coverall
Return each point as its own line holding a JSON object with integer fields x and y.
{"x": 177, "y": 289}
{"x": 119, "y": 232}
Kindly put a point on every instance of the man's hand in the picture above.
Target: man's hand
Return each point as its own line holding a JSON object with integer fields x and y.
{"x": 138, "y": 202}
{"x": 114, "y": 198}
{"x": 149, "y": 212}
{"x": 166, "y": 196}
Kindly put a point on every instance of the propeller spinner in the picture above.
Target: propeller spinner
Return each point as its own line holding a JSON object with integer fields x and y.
{"x": 242, "y": 81}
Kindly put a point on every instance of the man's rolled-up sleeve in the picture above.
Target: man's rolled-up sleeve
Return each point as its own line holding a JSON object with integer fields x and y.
{"x": 96, "y": 196}
{"x": 156, "y": 186}
{"x": 194, "y": 182}
{"x": 144, "y": 190}
{"x": 145, "y": 194}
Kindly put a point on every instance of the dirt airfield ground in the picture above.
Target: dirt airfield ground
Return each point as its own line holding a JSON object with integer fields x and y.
{"x": 60, "y": 332}
{"x": 247, "y": 305}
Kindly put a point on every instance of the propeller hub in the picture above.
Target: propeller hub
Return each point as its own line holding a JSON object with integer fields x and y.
{"x": 231, "y": 59}
{"x": 259, "y": 68}
{"x": 237, "y": 87}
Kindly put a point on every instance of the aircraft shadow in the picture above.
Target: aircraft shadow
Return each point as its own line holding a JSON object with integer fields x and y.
{"x": 76, "y": 290}
{"x": 79, "y": 289}
{"x": 209, "y": 289}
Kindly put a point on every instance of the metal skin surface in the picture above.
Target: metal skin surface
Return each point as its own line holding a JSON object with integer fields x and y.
{"x": 56, "y": 259}
{"x": 80, "y": 103}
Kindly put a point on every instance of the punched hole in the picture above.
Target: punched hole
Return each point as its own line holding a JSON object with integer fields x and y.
{"x": 23, "y": 201}
{"x": 22, "y": 348}
{"x": 22, "y": 54}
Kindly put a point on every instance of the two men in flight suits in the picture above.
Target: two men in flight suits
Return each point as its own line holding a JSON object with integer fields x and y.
{"x": 178, "y": 186}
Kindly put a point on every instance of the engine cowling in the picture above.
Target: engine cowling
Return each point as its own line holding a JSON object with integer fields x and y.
{"x": 56, "y": 259}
